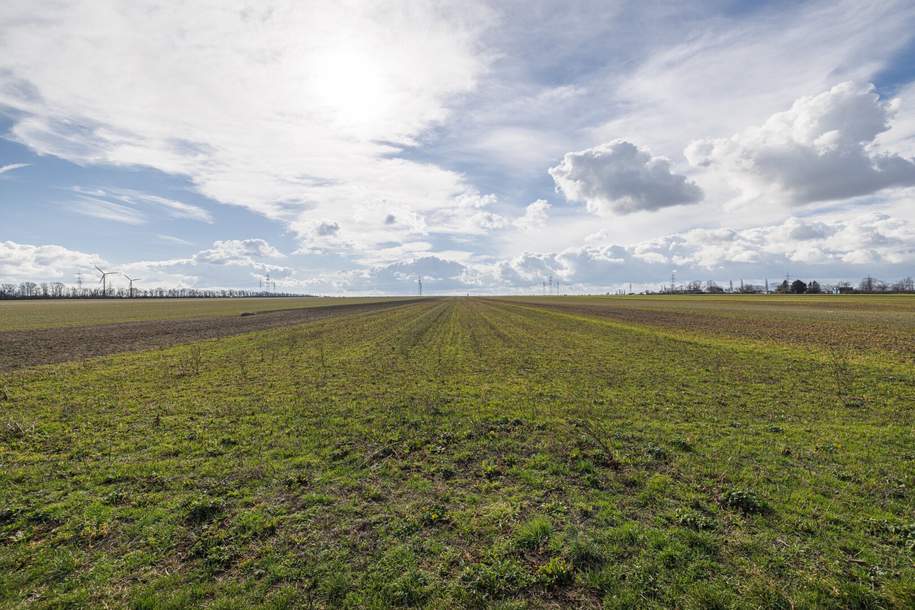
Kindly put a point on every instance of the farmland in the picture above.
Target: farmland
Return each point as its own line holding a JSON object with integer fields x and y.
{"x": 33, "y": 314}
{"x": 512, "y": 453}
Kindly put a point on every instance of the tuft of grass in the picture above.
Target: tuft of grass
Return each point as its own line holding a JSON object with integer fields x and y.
{"x": 556, "y": 572}
{"x": 533, "y": 534}
{"x": 201, "y": 509}
{"x": 745, "y": 501}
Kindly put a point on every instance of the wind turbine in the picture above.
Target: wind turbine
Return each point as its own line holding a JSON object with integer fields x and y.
{"x": 131, "y": 280}
{"x": 103, "y": 280}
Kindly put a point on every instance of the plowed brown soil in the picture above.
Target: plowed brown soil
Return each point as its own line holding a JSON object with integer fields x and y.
{"x": 19, "y": 349}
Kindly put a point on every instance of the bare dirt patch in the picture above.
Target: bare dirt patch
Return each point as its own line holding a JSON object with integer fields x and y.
{"x": 20, "y": 349}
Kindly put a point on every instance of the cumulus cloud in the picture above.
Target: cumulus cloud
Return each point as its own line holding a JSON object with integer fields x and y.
{"x": 321, "y": 235}
{"x": 227, "y": 263}
{"x": 535, "y": 216}
{"x": 438, "y": 274}
{"x": 621, "y": 177}
{"x": 237, "y": 252}
{"x": 486, "y": 221}
{"x": 327, "y": 228}
{"x": 839, "y": 248}
{"x": 821, "y": 149}
{"x": 41, "y": 263}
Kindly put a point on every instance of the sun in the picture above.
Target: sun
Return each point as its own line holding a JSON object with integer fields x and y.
{"x": 350, "y": 87}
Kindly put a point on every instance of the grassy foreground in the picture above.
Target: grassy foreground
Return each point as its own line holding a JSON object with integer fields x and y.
{"x": 462, "y": 453}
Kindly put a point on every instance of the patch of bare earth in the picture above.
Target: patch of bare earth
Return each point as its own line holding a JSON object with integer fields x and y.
{"x": 20, "y": 349}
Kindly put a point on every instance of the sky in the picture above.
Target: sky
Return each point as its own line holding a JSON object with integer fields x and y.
{"x": 351, "y": 147}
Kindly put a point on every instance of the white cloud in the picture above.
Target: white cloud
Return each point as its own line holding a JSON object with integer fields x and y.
{"x": 820, "y": 149}
{"x": 119, "y": 198}
{"x": 844, "y": 247}
{"x": 288, "y": 109}
{"x": 13, "y": 166}
{"x": 760, "y": 65}
{"x": 620, "y": 177}
{"x": 331, "y": 119}
{"x": 26, "y": 262}
{"x": 176, "y": 209}
{"x": 535, "y": 216}
{"x": 107, "y": 210}
{"x": 237, "y": 252}
{"x": 174, "y": 240}
{"x": 486, "y": 221}
{"x": 236, "y": 263}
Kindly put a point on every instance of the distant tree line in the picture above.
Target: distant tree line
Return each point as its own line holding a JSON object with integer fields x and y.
{"x": 59, "y": 290}
{"x": 868, "y": 285}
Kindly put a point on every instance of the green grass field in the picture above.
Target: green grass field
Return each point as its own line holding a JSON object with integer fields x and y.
{"x": 30, "y": 315}
{"x": 475, "y": 453}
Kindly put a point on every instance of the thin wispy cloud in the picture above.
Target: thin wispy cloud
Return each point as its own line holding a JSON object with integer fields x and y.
{"x": 173, "y": 208}
{"x": 107, "y": 210}
{"x": 13, "y": 166}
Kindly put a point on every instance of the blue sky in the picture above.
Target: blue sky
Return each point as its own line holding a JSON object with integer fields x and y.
{"x": 346, "y": 148}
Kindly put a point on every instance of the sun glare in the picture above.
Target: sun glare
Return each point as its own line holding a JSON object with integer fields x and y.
{"x": 349, "y": 85}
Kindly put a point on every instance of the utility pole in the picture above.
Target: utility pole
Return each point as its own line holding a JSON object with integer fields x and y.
{"x": 419, "y": 282}
{"x": 267, "y": 282}
{"x": 673, "y": 281}
{"x": 767, "y": 285}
